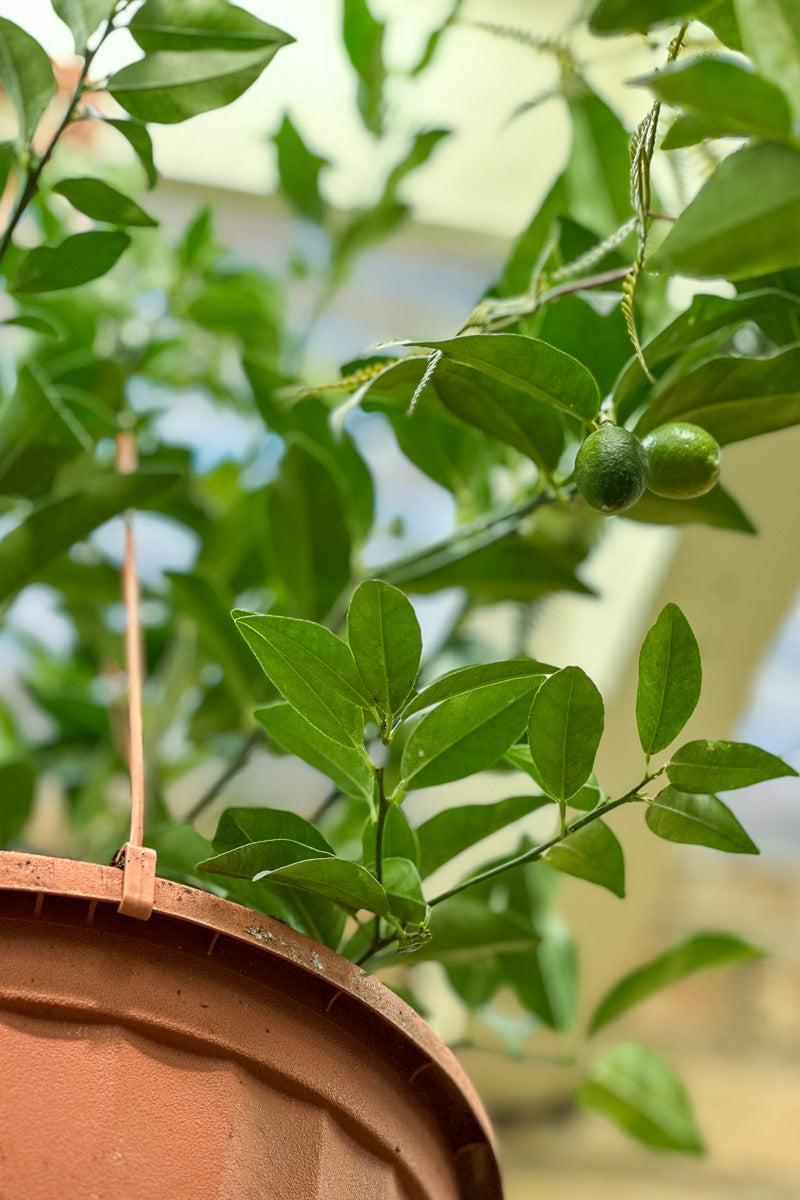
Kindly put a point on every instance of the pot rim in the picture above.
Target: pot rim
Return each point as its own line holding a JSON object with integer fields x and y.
{"x": 43, "y": 875}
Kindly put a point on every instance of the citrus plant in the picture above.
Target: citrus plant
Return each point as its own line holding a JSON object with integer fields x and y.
{"x": 573, "y": 386}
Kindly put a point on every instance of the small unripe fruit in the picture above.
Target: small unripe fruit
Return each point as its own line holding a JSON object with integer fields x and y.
{"x": 611, "y": 469}
{"x": 683, "y": 459}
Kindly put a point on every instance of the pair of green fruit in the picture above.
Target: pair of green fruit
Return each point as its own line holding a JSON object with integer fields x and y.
{"x": 613, "y": 467}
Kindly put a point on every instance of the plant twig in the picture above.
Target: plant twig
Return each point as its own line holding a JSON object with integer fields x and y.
{"x": 35, "y": 170}
{"x": 234, "y": 767}
{"x": 536, "y": 853}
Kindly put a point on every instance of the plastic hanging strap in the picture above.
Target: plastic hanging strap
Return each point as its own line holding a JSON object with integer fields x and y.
{"x": 138, "y": 862}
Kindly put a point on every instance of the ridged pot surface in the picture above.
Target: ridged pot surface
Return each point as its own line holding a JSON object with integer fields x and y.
{"x": 211, "y": 1053}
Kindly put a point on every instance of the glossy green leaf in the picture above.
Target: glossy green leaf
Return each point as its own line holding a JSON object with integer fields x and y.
{"x": 27, "y": 76}
{"x": 299, "y": 170}
{"x": 598, "y": 338}
{"x": 187, "y": 25}
{"x": 70, "y": 517}
{"x": 704, "y": 766}
{"x": 771, "y": 37}
{"x": 641, "y": 1093}
{"x": 726, "y": 94}
{"x": 76, "y": 260}
{"x": 639, "y": 16}
{"x": 37, "y": 323}
{"x": 446, "y": 834}
{"x": 342, "y": 764}
{"x": 512, "y": 568}
{"x": 592, "y": 853}
{"x": 310, "y": 539}
{"x": 310, "y": 419}
{"x": 399, "y": 839}
{"x": 670, "y": 679}
{"x": 238, "y": 826}
{"x": 733, "y": 398}
{"x": 697, "y": 953}
{"x": 36, "y": 436}
{"x": 506, "y": 413}
{"x": 363, "y": 40}
{"x": 467, "y": 679}
{"x": 745, "y": 221}
{"x": 170, "y": 85}
{"x": 403, "y": 886}
{"x": 312, "y": 669}
{"x": 565, "y": 727}
{"x": 699, "y": 820}
{"x": 528, "y": 365}
{"x": 83, "y": 17}
{"x": 16, "y": 800}
{"x": 102, "y": 202}
{"x": 467, "y": 733}
{"x": 463, "y": 930}
{"x": 717, "y": 508}
{"x": 253, "y": 859}
{"x": 345, "y": 883}
{"x": 386, "y": 643}
{"x": 705, "y": 316}
{"x": 135, "y": 133}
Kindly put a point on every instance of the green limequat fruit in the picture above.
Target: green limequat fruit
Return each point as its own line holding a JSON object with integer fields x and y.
{"x": 611, "y": 469}
{"x": 684, "y": 460}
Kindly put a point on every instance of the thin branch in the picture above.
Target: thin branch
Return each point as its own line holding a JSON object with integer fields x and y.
{"x": 234, "y": 767}
{"x": 538, "y": 851}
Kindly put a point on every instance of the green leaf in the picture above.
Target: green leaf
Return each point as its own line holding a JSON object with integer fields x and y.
{"x": 696, "y": 953}
{"x": 386, "y": 643}
{"x": 253, "y": 859}
{"x": 704, "y": 766}
{"x": 312, "y": 669}
{"x": 511, "y": 568}
{"x": 705, "y": 316}
{"x": 725, "y": 94}
{"x": 238, "y": 826}
{"x": 462, "y": 930}
{"x": 717, "y": 508}
{"x": 140, "y": 142}
{"x": 546, "y": 980}
{"x": 745, "y": 221}
{"x": 528, "y": 365}
{"x": 399, "y": 839}
{"x": 83, "y": 17}
{"x": 641, "y": 1093}
{"x": 699, "y": 820}
{"x": 27, "y": 76}
{"x": 467, "y": 733}
{"x": 8, "y": 161}
{"x": 363, "y": 40}
{"x": 403, "y": 886}
{"x": 299, "y": 172}
{"x": 598, "y": 338}
{"x": 345, "y": 883}
{"x": 170, "y": 85}
{"x": 102, "y": 203}
{"x": 591, "y": 853}
{"x": 506, "y": 413}
{"x": 468, "y": 679}
{"x": 639, "y": 16}
{"x": 16, "y": 800}
{"x": 447, "y": 833}
{"x": 74, "y": 261}
{"x": 565, "y": 727}
{"x": 36, "y": 323}
{"x": 422, "y": 146}
{"x": 188, "y": 25}
{"x": 200, "y": 596}
{"x": 310, "y": 538}
{"x": 770, "y": 32}
{"x": 70, "y": 517}
{"x": 341, "y": 764}
{"x": 733, "y": 398}
{"x": 670, "y": 679}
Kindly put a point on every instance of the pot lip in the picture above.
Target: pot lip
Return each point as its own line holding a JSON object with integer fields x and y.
{"x": 36, "y": 873}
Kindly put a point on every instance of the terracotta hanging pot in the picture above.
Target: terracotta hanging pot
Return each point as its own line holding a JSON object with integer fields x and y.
{"x": 211, "y": 1053}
